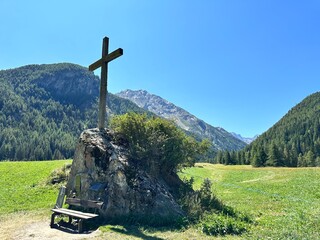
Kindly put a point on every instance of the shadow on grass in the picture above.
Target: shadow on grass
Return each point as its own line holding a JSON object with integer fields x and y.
{"x": 135, "y": 226}
{"x": 133, "y": 231}
{"x": 126, "y": 227}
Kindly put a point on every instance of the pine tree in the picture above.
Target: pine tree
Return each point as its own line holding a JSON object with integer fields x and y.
{"x": 310, "y": 159}
{"x": 259, "y": 159}
{"x": 301, "y": 161}
{"x": 227, "y": 158}
{"x": 219, "y": 157}
{"x": 274, "y": 157}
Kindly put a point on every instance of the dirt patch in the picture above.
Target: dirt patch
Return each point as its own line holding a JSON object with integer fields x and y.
{"x": 24, "y": 227}
{"x": 41, "y": 230}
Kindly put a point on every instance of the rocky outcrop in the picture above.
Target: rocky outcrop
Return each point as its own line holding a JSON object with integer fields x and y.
{"x": 102, "y": 169}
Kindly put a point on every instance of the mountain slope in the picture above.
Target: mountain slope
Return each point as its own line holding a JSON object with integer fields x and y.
{"x": 247, "y": 140}
{"x": 220, "y": 138}
{"x": 44, "y": 108}
{"x": 292, "y": 141}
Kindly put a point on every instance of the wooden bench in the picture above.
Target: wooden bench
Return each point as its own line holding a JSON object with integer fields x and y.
{"x": 73, "y": 214}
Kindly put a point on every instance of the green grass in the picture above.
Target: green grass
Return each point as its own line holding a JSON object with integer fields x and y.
{"x": 23, "y": 188}
{"x": 284, "y": 202}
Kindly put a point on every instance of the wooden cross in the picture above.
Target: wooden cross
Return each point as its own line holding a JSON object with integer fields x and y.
{"x": 103, "y": 63}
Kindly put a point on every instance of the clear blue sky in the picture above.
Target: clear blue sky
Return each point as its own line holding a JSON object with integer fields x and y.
{"x": 237, "y": 64}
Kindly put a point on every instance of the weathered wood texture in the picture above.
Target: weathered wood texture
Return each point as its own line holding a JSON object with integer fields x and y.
{"x": 79, "y": 215}
{"x": 60, "y": 199}
{"x": 73, "y": 213}
{"x": 103, "y": 63}
{"x": 115, "y": 54}
{"x": 103, "y": 85}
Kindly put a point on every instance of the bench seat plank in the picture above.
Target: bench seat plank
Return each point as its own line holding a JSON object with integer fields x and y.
{"x": 73, "y": 213}
{"x": 81, "y": 216}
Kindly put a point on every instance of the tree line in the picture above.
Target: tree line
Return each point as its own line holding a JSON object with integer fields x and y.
{"x": 294, "y": 141}
{"x": 42, "y": 113}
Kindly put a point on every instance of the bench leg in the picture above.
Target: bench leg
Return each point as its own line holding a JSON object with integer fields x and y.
{"x": 80, "y": 226}
{"x": 70, "y": 219}
{"x": 52, "y": 219}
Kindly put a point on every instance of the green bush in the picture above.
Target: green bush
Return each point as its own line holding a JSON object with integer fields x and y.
{"x": 60, "y": 175}
{"x": 156, "y": 143}
{"x": 198, "y": 202}
{"x": 206, "y": 210}
{"x": 218, "y": 224}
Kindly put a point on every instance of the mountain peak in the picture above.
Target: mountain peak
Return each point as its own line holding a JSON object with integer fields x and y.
{"x": 247, "y": 140}
{"x": 220, "y": 138}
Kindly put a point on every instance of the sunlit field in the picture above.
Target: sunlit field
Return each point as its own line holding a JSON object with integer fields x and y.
{"x": 283, "y": 202}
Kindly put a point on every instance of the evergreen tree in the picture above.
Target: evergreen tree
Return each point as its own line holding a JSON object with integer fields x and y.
{"x": 219, "y": 157}
{"x": 44, "y": 108}
{"x": 310, "y": 159}
{"x": 301, "y": 161}
{"x": 274, "y": 157}
{"x": 259, "y": 159}
{"x": 227, "y": 158}
{"x": 294, "y": 140}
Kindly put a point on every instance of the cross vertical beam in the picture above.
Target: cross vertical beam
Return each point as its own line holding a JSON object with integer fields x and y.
{"x": 103, "y": 63}
{"x": 103, "y": 85}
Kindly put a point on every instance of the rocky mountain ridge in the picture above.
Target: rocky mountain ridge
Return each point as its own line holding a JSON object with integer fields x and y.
{"x": 247, "y": 140}
{"x": 221, "y": 139}
{"x": 44, "y": 108}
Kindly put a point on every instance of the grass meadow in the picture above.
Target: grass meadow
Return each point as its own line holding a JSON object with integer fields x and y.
{"x": 283, "y": 202}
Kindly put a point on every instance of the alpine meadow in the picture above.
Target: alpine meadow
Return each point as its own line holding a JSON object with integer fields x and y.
{"x": 44, "y": 108}
{"x": 282, "y": 203}
{"x": 154, "y": 120}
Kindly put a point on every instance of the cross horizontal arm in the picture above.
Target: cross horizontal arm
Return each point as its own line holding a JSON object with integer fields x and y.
{"x": 106, "y": 59}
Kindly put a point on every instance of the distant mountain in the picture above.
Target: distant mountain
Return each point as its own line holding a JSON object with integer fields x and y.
{"x": 44, "y": 108}
{"x": 247, "y": 140}
{"x": 221, "y": 139}
{"x": 293, "y": 141}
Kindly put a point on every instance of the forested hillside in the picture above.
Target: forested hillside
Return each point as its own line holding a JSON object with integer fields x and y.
{"x": 294, "y": 141}
{"x": 44, "y": 108}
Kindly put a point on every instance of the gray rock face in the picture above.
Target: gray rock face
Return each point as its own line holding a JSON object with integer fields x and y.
{"x": 101, "y": 169}
{"x": 247, "y": 140}
{"x": 220, "y": 138}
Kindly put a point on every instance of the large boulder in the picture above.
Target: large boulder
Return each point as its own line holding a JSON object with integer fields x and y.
{"x": 102, "y": 169}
